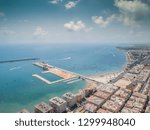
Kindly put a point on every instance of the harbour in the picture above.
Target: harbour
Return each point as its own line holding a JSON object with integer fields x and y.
{"x": 64, "y": 74}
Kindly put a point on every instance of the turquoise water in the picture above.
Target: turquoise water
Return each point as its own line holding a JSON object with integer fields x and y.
{"x": 18, "y": 89}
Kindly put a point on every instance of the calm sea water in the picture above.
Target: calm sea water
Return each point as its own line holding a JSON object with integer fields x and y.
{"x": 18, "y": 89}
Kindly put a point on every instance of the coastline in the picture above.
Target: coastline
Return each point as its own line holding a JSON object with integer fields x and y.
{"x": 105, "y": 77}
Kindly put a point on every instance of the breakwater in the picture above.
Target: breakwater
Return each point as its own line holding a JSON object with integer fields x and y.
{"x": 18, "y": 60}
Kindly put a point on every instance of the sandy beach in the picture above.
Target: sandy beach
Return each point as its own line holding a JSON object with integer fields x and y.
{"x": 105, "y": 78}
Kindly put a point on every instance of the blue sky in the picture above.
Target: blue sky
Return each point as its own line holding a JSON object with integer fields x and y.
{"x": 74, "y": 21}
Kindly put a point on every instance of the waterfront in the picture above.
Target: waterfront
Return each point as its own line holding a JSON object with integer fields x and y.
{"x": 21, "y": 90}
{"x": 128, "y": 92}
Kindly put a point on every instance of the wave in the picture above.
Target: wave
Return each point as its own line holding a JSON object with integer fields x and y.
{"x": 15, "y": 68}
{"x": 67, "y": 58}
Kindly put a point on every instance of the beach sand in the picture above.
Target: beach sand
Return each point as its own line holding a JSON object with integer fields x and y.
{"x": 105, "y": 78}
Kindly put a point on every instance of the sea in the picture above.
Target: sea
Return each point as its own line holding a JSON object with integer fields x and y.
{"x": 19, "y": 89}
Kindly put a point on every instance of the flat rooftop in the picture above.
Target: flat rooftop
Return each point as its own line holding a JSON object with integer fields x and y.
{"x": 69, "y": 95}
{"x": 43, "y": 107}
{"x": 95, "y": 100}
{"x": 58, "y": 101}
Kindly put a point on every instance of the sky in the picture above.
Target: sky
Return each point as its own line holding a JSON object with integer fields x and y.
{"x": 74, "y": 21}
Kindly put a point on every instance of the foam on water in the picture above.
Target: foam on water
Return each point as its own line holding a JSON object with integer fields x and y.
{"x": 15, "y": 68}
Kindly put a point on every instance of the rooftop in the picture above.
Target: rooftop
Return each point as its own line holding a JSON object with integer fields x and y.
{"x": 69, "y": 95}
{"x": 43, "y": 107}
{"x": 58, "y": 101}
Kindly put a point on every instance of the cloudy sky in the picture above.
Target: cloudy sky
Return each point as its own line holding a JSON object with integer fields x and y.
{"x": 74, "y": 21}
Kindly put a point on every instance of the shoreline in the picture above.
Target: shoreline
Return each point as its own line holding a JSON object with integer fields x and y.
{"x": 105, "y": 77}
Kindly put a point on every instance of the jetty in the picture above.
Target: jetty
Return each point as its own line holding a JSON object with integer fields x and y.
{"x": 67, "y": 76}
{"x": 41, "y": 78}
{"x": 49, "y": 82}
{"x": 19, "y": 60}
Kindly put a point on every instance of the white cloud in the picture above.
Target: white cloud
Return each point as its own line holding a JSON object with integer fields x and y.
{"x": 2, "y": 14}
{"x": 101, "y": 21}
{"x": 39, "y": 32}
{"x": 71, "y": 4}
{"x": 55, "y": 1}
{"x": 133, "y": 12}
{"x": 75, "y": 26}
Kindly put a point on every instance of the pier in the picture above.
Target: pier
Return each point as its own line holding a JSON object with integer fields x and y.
{"x": 64, "y": 74}
{"x": 41, "y": 78}
{"x": 48, "y": 82}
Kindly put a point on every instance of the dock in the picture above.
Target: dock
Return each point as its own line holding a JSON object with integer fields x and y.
{"x": 41, "y": 78}
{"x": 64, "y": 74}
{"x": 54, "y": 70}
{"x": 48, "y": 82}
